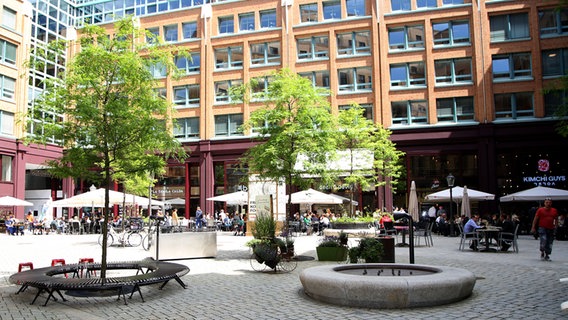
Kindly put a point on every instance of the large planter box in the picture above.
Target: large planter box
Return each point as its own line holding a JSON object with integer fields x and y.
{"x": 349, "y": 225}
{"x": 331, "y": 253}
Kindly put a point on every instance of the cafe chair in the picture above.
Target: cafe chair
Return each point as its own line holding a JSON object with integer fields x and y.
{"x": 58, "y": 262}
{"x": 510, "y": 237}
{"x": 466, "y": 237}
{"x": 28, "y": 265}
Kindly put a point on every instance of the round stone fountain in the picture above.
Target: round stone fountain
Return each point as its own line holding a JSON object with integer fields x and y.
{"x": 392, "y": 286}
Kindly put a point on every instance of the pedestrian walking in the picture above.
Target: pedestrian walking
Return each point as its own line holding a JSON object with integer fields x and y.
{"x": 545, "y": 222}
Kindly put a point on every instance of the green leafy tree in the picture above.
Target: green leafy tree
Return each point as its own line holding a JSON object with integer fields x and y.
{"x": 294, "y": 123}
{"x": 360, "y": 140}
{"x": 114, "y": 123}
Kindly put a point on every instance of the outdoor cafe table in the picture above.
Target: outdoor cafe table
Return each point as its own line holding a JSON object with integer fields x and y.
{"x": 488, "y": 233}
{"x": 404, "y": 230}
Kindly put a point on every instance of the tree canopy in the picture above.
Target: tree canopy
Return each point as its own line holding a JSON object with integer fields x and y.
{"x": 295, "y": 120}
{"x": 356, "y": 135}
{"x": 111, "y": 121}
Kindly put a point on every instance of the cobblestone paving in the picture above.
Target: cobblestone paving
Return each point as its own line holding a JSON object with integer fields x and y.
{"x": 509, "y": 285}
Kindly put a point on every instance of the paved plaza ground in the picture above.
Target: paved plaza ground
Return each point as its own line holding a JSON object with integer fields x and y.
{"x": 509, "y": 285}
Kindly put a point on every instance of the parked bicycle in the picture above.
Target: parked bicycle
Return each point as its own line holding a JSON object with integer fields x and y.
{"x": 149, "y": 239}
{"x": 129, "y": 237}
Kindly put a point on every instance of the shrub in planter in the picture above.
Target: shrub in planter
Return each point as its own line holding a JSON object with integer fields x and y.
{"x": 369, "y": 249}
{"x": 331, "y": 249}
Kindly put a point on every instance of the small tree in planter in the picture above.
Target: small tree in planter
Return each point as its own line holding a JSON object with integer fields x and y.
{"x": 369, "y": 249}
{"x": 265, "y": 245}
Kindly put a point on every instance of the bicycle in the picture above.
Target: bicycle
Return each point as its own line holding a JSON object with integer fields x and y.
{"x": 149, "y": 238}
{"x": 129, "y": 237}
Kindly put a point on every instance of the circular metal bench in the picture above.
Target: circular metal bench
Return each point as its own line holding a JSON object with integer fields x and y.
{"x": 148, "y": 271}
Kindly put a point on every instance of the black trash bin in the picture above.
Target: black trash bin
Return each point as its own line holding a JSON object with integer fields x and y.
{"x": 388, "y": 249}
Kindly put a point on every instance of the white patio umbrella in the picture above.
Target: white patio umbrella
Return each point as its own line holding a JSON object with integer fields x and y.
{"x": 413, "y": 203}
{"x": 311, "y": 196}
{"x": 465, "y": 206}
{"x": 536, "y": 194}
{"x": 96, "y": 199}
{"x": 175, "y": 201}
{"x": 7, "y": 201}
{"x": 238, "y": 198}
{"x": 457, "y": 195}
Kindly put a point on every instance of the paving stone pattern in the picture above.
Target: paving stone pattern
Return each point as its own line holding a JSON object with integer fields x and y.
{"x": 509, "y": 285}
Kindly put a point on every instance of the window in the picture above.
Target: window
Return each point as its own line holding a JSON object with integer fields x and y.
{"x": 331, "y": 10}
{"x": 313, "y": 48}
{"x": 554, "y": 101}
{"x": 186, "y": 128}
{"x": 265, "y": 53}
{"x": 426, "y": 4}
{"x": 6, "y": 168}
{"x": 408, "y": 74}
{"x": 455, "y": 109}
{"x": 553, "y": 22}
{"x": 514, "y": 105}
{"x": 171, "y": 33}
{"x": 354, "y": 43}
{"x": 409, "y": 112}
{"x": 400, "y": 5}
{"x": 7, "y": 87}
{"x": 511, "y": 66}
{"x": 189, "y": 65}
{"x": 451, "y": 2}
{"x": 228, "y": 58}
{"x": 367, "y": 110}
{"x": 509, "y": 27}
{"x": 356, "y": 8}
{"x": 161, "y": 92}
{"x": 186, "y": 96}
{"x": 222, "y": 90}
{"x": 355, "y": 79}
{"x": 404, "y": 38}
{"x": 246, "y": 21}
{"x": 6, "y": 123}
{"x": 228, "y": 125}
{"x": 318, "y": 78}
{"x": 226, "y": 25}
{"x": 555, "y": 62}
{"x": 7, "y": 52}
{"x": 453, "y": 71}
{"x": 450, "y": 33}
{"x": 152, "y": 34}
{"x": 268, "y": 19}
{"x": 158, "y": 70}
{"x": 260, "y": 88}
{"x": 189, "y": 30}
{"x": 309, "y": 13}
{"x": 9, "y": 18}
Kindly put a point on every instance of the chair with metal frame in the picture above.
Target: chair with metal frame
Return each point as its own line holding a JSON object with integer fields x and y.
{"x": 467, "y": 237}
{"x": 512, "y": 237}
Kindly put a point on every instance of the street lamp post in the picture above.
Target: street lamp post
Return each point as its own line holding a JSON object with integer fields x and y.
{"x": 451, "y": 180}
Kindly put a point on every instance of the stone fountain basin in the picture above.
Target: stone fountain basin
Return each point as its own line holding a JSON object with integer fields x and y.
{"x": 347, "y": 285}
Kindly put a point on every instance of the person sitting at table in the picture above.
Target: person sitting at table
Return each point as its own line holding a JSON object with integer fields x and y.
{"x": 509, "y": 227}
{"x": 469, "y": 227}
{"x": 443, "y": 226}
{"x": 10, "y": 225}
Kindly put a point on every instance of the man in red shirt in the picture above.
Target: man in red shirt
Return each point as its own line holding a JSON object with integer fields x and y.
{"x": 546, "y": 219}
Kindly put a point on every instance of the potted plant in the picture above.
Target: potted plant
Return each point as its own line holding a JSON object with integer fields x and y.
{"x": 369, "y": 249}
{"x": 265, "y": 245}
{"x": 331, "y": 249}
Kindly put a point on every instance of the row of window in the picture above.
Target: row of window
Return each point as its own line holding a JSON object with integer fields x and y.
{"x": 406, "y": 5}
{"x": 448, "y": 110}
{"x": 447, "y": 72}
